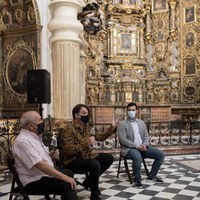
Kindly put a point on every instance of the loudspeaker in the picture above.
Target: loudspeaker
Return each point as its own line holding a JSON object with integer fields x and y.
{"x": 38, "y": 86}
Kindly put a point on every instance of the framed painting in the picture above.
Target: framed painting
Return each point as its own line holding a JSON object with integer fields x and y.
{"x": 162, "y": 74}
{"x": 159, "y": 5}
{"x": 190, "y": 66}
{"x": 189, "y": 14}
{"x": 127, "y": 43}
{"x": 15, "y": 2}
{"x": 129, "y": 97}
{"x": 189, "y": 40}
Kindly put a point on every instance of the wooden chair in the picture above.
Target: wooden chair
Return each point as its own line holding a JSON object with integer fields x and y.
{"x": 126, "y": 170}
{"x": 19, "y": 190}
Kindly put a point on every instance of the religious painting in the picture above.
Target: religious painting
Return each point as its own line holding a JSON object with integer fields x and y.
{"x": 91, "y": 72}
{"x": 162, "y": 74}
{"x": 126, "y": 41}
{"x": 190, "y": 66}
{"x": 15, "y": 2}
{"x": 189, "y": 14}
{"x": 160, "y": 36}
{"x": 190, "y": 90}
{"x": 159, "y": 5}
{"x": 189, "y": 39}
{"x": 129, "y": 97}
{"x": 19, "y": 63}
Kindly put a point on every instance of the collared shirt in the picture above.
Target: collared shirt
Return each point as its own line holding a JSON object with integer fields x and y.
{"x": 138, "y": 139}
{"x": 28, "y": 150}
{"x": 73, "y": 141}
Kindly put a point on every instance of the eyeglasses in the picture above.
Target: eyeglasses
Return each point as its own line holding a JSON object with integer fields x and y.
{"x": 131, "y": 110}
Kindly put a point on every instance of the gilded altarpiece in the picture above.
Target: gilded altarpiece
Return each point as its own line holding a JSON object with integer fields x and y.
{"x": 20, "y": 51}
{"x": 146, "y": 52}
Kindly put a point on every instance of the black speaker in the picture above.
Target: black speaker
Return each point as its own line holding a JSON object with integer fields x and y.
{"x": 38, "y": 86}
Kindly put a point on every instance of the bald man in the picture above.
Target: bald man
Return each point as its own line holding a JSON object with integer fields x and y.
{"x": 34, "y": 164}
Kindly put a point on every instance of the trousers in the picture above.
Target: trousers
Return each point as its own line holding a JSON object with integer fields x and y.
{"x": 49, "y": 185}
{"x": 137, "y": 156}
{"x": 95, "y": 167}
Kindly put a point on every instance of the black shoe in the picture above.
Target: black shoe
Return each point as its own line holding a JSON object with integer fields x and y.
{"x": 95, "y": 196}
{"x": 138, "y": 184}
{"x": 155, "y": 179}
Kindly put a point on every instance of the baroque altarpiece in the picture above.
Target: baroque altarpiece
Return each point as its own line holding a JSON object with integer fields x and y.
{"x": 146, "y": 52}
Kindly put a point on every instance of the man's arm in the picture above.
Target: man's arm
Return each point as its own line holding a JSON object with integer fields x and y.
{"x": 51, "y": 171}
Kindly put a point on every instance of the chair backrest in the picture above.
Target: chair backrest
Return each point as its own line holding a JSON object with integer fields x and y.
{"x": 11, "y": 166}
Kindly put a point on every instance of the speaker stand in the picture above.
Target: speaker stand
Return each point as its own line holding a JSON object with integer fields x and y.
{"x": 40, "y": 110}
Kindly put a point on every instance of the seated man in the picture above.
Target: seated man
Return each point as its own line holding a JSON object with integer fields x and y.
{"x": 76, "y": 141}
{"x": 134, "y": 140}
{"x": 33, "y": 163}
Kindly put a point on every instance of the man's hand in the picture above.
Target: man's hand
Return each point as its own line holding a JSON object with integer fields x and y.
{"x": 90, "y": 140}
{"x": 142, "y": 147}
{"x": 71, "y": 181}
{"x": 55, "y": 154}
{"x": 115, "y": 123}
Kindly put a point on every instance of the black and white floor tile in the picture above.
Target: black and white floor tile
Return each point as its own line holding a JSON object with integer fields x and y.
{"x": 181, "y": 182}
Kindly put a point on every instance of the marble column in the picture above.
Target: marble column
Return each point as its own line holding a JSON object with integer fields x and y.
{"x": 65, "y": 45}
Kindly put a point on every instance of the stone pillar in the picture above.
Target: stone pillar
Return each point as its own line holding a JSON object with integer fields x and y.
{"x": 65, "y": 44}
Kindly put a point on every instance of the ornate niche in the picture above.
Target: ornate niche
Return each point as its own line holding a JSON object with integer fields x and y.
{"x": 20, "y": 51}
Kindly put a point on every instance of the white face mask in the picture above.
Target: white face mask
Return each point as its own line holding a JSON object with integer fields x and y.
{"x": 131, "y": 114}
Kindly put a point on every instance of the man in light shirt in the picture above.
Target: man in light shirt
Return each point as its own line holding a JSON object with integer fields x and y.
{"x": 34, "y": 164}
{"x": 134, "y": 140}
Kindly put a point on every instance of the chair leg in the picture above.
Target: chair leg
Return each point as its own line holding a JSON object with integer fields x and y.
{"x": 119, "y": 165}
{"x": 145, "y": 167}
{"x": 127, "y": 171}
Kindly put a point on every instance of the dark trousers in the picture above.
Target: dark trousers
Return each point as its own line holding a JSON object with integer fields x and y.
{"x": 48, "y": 185}
{"x": 95, "y": 167}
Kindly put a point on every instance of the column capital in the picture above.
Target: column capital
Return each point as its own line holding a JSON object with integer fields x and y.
{"x": 64, "y": 24}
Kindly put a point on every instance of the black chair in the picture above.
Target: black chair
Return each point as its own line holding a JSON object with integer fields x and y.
{"x": 19, "y": 191}
{"x": 126, "y": 170}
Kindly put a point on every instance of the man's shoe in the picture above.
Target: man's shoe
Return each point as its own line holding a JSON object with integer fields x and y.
{"x": 95, "y": 196}
{"x": 138, "y": 184}
{"x": 155, "y": 179}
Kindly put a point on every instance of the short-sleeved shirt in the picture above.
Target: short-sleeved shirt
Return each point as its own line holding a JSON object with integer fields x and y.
{"x": 28, "y": 150}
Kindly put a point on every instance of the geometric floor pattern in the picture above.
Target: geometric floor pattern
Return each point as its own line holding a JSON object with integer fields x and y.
{"x": 181, "y": 182}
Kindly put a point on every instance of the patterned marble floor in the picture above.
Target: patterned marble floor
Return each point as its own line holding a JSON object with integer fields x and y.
{"x": 181, "y": 175}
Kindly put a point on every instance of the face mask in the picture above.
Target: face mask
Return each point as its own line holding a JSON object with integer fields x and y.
{"x": 85, "y": 119}
{"x": 131, "y": 114}
{"x": 40, "y": 127}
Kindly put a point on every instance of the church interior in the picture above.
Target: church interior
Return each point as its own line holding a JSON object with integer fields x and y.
{"x": 106, "y": 54}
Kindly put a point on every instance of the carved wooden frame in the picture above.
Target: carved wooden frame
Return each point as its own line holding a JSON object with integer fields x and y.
{"x": 190, "y": 66}
{"x": 164, "y": 6}
{"x": 20, "y": 50}
{"x": 192, "y": 14}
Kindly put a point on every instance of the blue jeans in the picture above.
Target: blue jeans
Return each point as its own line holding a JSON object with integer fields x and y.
{"x": 153, "y": 153}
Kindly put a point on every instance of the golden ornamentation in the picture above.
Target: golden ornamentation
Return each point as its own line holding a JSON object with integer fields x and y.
{"x": 153, "y": 61}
